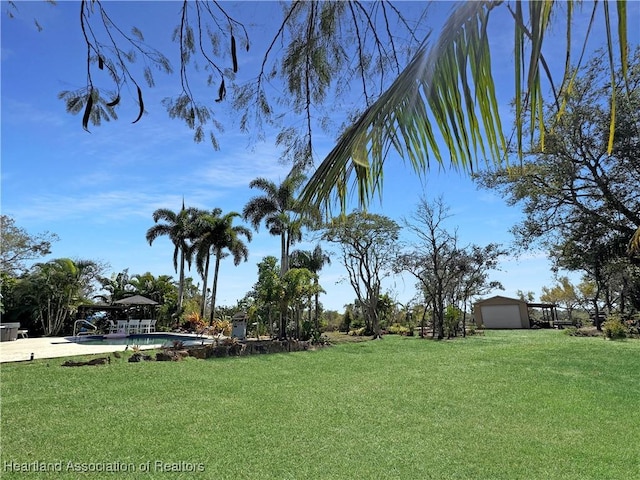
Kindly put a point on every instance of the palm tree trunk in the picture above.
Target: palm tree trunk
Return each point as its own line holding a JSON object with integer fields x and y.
{"x": 317, "y": 307}
{"x": 214, "y": 288}
{"x": 284, "y": 264}
{"x": 181, "y": 282}
{"x": 205, "y": 279}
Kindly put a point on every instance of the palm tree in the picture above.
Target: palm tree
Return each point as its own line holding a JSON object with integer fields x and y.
{"x": 276, "y": 207}
{"x": 116, "y": 287}
{"x": 448, "y": 90}
{"x": 158, "y": 289}
{"x": 178, "y": 227}
{"x": 203, "y": 224}
{"x": 55, "y": 289}
{"x": 312, "y": 261}
{"x": 217, "y": 234}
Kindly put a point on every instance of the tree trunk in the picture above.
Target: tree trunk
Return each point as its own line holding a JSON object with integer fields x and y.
{"x": 317, "y": 315}
{"x": 464, "y": 323}
{"x": 375, "y": 321}
{"x": 181, "y": 282}
{"x": 424, "y": 315}
{"x": 284, "y": 264}
{"x": 205, "y": 279}
{"x": 214, "y": 289}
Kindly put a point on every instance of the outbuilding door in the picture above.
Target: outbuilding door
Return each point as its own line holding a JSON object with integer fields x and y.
{"x": 501, "y": 316}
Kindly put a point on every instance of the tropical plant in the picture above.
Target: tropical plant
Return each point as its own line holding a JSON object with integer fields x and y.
{"x": 202, "y": 250}
{"x": 179, "y": 228}
{"x": 578, "y": 194}
{"x": 53, "y": 290}
{"x": 266, "y": 290}
{"x": 116, "y": 286}
{"x": 313, "y": 261}
{"x": 280, "y": 211}
{"x": 448, "y": 90}
{"x": 161, "y": 289}
{"x": 614, "y": 329}
{"x": 299, "y": 285}
{"x": 216, "y": 234}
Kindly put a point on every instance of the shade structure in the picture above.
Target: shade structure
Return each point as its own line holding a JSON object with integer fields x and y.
{"x": 136, "y": 300}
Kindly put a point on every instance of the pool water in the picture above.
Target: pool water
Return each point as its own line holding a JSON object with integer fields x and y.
{"x": 141, "y": 339}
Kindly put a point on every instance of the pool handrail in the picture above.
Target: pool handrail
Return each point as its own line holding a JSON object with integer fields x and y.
{"x": 82, "y": 321}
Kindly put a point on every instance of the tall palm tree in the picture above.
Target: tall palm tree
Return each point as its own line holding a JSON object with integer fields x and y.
{"x": 313, "y": 261}
{"x": 203, "y": 224}
{"x": 277, "y": 207}
{"x": 448, "y": 91}
{"x": 178, "y": 227}
{"x": 218, "y": 236}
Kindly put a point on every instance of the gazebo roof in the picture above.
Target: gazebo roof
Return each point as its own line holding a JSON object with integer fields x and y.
{"x": 136, "y": 300}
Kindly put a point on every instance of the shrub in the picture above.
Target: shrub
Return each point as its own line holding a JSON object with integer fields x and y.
{"x": 318, "y": 338}
{"x": 358, "y": 332}
{"x": 633, "y": 325}
{"x": 193, "y": 322}
{"x": 397, "y": 329}
{"x": 613, "y": 328}
{"x": 222, "y": 327}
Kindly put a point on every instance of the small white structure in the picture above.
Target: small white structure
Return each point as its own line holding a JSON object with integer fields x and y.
{"x": 502, "y": 312}
{"x": 239, "y": 326}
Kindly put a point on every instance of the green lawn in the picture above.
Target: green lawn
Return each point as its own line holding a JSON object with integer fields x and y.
{"x": 507, "y": 405}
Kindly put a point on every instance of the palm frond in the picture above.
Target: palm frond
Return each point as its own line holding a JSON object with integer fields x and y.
{"x": 444, "y": 102}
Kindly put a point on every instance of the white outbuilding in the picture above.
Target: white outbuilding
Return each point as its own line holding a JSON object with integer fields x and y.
{"x": 502, "y": 312}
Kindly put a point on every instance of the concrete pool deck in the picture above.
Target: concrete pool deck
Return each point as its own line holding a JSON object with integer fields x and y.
{"x": 54, "y": 347}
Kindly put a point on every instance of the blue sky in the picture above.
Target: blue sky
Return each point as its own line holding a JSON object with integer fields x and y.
{"x": 98, "y": 191}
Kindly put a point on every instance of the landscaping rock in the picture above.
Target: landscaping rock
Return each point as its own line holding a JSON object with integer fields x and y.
{"x": 167, "y": 356}
{"x": 95, "y": 361}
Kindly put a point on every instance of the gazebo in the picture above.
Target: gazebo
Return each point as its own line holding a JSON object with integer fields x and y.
{"x": 120, "y": 307}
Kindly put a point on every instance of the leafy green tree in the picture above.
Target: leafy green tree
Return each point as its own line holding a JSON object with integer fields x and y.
{"x": 526, "y": 296}
{"x": 179, "y": 228}
{"x": 562, "y": 293}
{"x": 385, "y": 308}
{"x": 313, "y": 261}
{"x": 266, "y": 291}
{"x": 331, "y": 320}
{"x": 368, "y": 245}
{"x": 161, "y": 289}
{"x": 217, "y": 235}
{"x": 53, "y": 290}
{"x": 299, "y": 286}
{"x": 116, "y": 287}
{"x": 17, "y": 246}
{"x": 578, "y": 194}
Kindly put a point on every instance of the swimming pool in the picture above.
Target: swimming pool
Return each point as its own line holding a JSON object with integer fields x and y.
{"x": 142, "y": 339}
